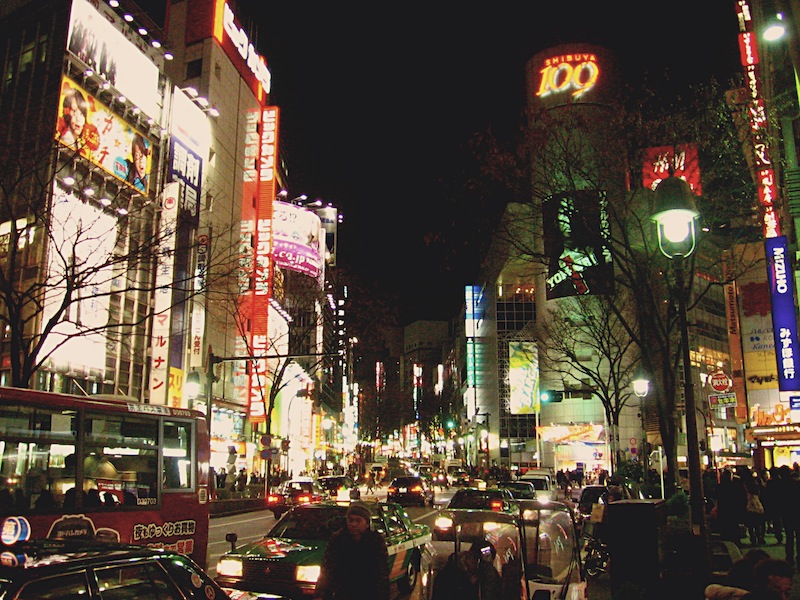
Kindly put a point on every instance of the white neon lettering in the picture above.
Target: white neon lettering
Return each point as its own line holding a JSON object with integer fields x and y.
{"x": 256, "y": 63}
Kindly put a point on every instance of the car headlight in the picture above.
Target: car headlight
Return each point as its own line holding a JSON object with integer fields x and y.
{"x": 308, "y": 573}
{"x": 443, "y": 523}
{"x": 229, "y": 567}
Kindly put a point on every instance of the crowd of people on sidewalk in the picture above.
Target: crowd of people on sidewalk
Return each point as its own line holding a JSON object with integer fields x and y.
{"x": 745, "y": 504}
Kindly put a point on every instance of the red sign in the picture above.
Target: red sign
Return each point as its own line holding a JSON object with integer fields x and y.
{"x": 719, "y": 381}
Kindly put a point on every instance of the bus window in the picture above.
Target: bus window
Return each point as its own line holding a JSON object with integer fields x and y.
{"x": 121, "y": 460}
{"x": 178, "y": 455}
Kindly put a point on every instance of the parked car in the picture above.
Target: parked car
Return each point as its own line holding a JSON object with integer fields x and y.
{"x": 293, "y": 492}
{"x": 600, "y": 494}
{"x": 286, "y": 562}
{"x": 410, "y": 490}
{"x": 339, "y": 487}
{"x": 521, "y": 490}
{"x": 77, "y": 568}
{"x": 491, "y": 499}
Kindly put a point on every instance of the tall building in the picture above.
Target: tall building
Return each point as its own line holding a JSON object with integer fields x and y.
{"x": 142, "y": 230}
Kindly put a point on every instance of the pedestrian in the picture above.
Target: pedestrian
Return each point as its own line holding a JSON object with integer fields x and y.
{"x": 469, "y": 575}
{"x": 754, "y": 510}
{"x": 770, "y": 501}
{"x": 371, "y": 482}
{"x": 355, "y": 565}
{"x": 730, "y": 507}
{"x": 787, "y": 498}
{"x": 772, "y": 580}
{"x": 212, "y": 483}
{"x": 241, "y": 480}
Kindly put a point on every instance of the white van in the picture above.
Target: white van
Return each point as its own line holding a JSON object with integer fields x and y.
{"x": 542, "y": 481}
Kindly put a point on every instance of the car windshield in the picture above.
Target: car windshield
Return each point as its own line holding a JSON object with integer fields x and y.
{"x": 539, "y": 483}
{"x": 298, "y": 487}
{"x": 590, "y": 496}
{"x": 474, "y": 499}
{"x": 317, "y": 523}
{"x": 521, "y": 490}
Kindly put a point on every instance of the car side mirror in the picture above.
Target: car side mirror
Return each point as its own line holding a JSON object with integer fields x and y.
{"x": 231, "y": 539}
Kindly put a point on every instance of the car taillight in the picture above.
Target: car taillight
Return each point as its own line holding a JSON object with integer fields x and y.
{"x": 273, "y": 499}
{"x": 391, "y": 490}
{"x": 496, "y": 505}
{"x": 416, "y": 488}
{"x": 304, "y": 499}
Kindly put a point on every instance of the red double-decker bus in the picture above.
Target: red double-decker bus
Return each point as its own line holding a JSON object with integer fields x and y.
{"x": 105, "y": 467}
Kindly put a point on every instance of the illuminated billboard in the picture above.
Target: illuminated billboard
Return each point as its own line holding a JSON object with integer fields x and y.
{"x": 100, "y": 136}
{"x": 81, "y": 234}
{"x": 576, "y": 240}
{"x": 683, "y": 160}
{"x": 523, "y": 378}
{"x": 297, "y": 239}
{"x": 105, "y": 49}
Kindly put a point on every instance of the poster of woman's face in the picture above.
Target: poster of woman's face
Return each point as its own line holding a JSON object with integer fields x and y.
{"x": 90, "y": 128}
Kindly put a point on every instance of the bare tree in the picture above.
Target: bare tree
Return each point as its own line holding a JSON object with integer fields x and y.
{"x": 596, "y": 341}
{"x": 69, "y": 260}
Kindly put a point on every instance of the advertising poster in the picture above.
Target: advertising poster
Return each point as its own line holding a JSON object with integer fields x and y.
{"x": 523, "y": 378}
{"x": 86, "y": 234}
{"x": 298, "y": 239}
{"x": 682, "y": 159}
{"x": 109, "y": 53}
{"x": 97, "y": 134}
{"x": 576, "y": 233}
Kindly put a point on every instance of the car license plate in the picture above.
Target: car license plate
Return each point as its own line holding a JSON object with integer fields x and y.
{"x": 403, "y": 490}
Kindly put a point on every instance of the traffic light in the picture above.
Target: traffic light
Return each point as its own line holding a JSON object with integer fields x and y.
{"x": 285, "y": 445}
{"x": 450, "y": 424}
{"x": 551, "y": 396}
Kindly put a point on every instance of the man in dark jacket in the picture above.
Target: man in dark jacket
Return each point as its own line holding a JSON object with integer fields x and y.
{"x": 356, "y": 561}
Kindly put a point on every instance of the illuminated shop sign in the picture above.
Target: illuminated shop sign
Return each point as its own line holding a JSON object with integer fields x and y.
{"x": 683, "y": 160}
{"x": 574, "y": 74}
{"x": 523, "y": 378}
{"x": 757, "y": 116}
{"x": 254, "y": 61}
{"x": 784, "y": 323}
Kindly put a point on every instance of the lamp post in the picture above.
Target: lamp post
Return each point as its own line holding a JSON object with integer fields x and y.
{"x": 641, "y": 386}
{"x": 675, "y": 214}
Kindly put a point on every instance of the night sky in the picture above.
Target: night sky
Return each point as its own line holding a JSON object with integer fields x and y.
{"x": 378, "y": 102}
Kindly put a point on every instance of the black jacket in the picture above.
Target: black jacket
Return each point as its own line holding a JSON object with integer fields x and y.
{"x": 354, "y": 570}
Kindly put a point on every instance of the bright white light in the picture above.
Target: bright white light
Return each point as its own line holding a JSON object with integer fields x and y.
{"x": 127, "y": 17}
{"x": 775, "y": 30}
{"x": 156, "y": 44}
{"x": 142, "y": 31}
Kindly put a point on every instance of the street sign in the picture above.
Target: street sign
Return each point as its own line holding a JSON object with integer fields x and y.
{"x": 721, "y": 400}
{"x": 719, "y": 381}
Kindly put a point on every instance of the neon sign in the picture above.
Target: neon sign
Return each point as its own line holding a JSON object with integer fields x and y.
{"x": 255, "y": 62}
{"x": 575, "y": 73}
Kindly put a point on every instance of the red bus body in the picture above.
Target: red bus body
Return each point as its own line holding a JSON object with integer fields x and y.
{"x": 147, "y": 465}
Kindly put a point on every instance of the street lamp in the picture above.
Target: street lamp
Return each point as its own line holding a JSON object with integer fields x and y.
{"x": 675, "y": 214}
{"x": 641, "y": 386}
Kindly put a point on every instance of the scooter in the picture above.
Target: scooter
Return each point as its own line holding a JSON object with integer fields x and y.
{"x": 596, "y": 560}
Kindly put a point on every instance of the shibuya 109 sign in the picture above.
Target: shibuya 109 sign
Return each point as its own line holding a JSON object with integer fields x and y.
{"x": 573, "y": 74}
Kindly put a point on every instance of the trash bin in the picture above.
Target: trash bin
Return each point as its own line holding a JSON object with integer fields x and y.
{"x": 633, "y": 533}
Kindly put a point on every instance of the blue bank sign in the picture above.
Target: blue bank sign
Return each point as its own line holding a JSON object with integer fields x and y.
{"x": 783, "y": 314}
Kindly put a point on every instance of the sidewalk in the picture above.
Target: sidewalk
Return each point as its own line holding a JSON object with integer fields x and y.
{"x": 600, "y": 588}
